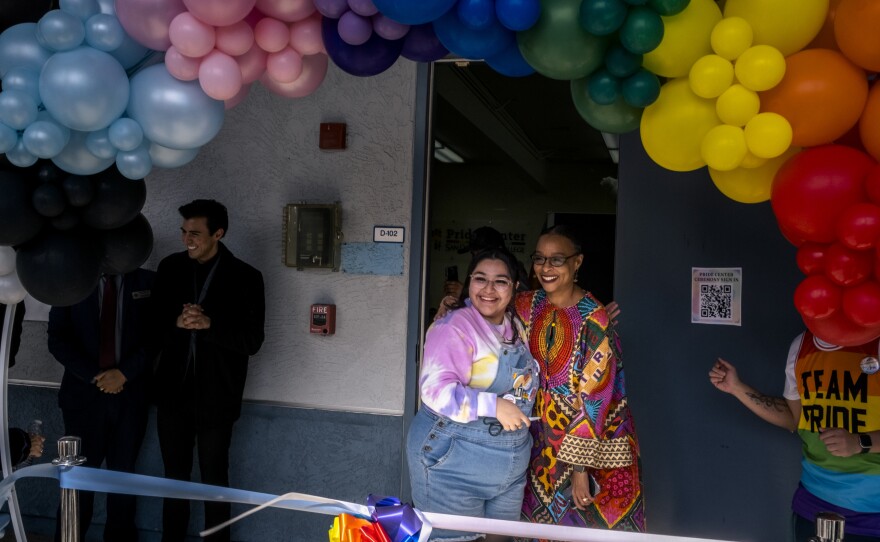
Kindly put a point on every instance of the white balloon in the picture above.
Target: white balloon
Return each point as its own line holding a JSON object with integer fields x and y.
{"x": 11, "y": 289}
{"x": 7, "y": 260}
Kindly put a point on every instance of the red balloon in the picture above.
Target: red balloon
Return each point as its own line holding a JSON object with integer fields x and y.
{"x": 790, "y": 236}
{"x": 859, "y": 226}
{"x": 813, "y": 187}
{"x": 872, "y": 184}
{"x": 811, "y": 258}
{"x": 861, "y": 304}
{"x": 848, "y": 267}
{"x": 817, "y": 297}
{"x": 838, "y": 329}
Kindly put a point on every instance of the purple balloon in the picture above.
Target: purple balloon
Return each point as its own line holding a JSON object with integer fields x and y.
{"x": 354, "y": 29}
{"x": 363, "y": 7}
{"x": 422, "y": 45}
{"x": 331, "y": 8}
{"x": 389, "y": 28}
{"x": 371, "y": 58}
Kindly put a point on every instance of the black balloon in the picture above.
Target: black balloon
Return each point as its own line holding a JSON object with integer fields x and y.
{"x": 67, "y": 220}
{"x": 126, "y": 248}
{"x": 59, "y": 268}
{"x": 117, "y": 200}
{"x": 80, "y": 190}
{"x": 19, "y": 222}
{"x": 47, "y": 172}
{"x": 49, "y": 200}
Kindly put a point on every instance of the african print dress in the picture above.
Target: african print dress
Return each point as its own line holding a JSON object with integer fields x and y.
{"x": 584, "y": 417}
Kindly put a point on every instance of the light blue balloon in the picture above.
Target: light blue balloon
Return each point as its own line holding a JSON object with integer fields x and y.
{"x": 104, "y": 32}
{"x": 77, "y": 159}
{"x": 175, "y": 114}
{"x": 17, "y": 109}
{"x": 20, "y": 156}
{"x": 61, "y": 31}
{"x": 126, "y": 134}
{"x": 84, "y": 89}
{"x": 83, "y": 9}
{"x": 135, "y": 164}
{"x": 45, "y": 138}
{"x": 25, "y": 79}
{"x": 8, "y": 138}
{"x": 19, "y": 47}
{"x": 98, "y": 143}
{"x": 170, "y": 158}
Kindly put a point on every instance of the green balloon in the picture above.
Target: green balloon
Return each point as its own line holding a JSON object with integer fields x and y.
{"x": 621, "y": 63}
{"x": 642, "y": 31}
{"x": 616, "y": 118}
{"x": 668, "y": 7}
{"x": 603, "y": 87}
{"x": 557, "y": 46}
{"x": 602, "y": 17}
{"x": 641, "y": 89}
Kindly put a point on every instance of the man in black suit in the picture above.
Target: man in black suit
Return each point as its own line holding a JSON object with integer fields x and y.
{"x": 210, "y": 314}
{"x": 103, "y": 397}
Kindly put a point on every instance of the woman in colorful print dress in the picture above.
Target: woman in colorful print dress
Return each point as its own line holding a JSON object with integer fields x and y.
{"x": 468, "y": 446}
{"x": 584, "y": 469}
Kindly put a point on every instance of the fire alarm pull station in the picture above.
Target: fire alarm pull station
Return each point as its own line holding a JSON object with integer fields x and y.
{"x": 323, "y": 319}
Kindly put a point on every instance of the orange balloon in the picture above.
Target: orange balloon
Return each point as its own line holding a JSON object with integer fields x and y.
{"x": 825, "y": 38}
{"x": 822, "y": 96}
{"x": 869, "y": 124}
{"x": 855, "y": 27}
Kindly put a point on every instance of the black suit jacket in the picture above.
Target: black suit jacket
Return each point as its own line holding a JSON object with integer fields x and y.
{"x": 235, "y": 303}
{"x": 74, "y": 340}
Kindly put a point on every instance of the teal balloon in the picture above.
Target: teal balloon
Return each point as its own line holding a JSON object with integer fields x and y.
{"x": 135, "y": 164}
{"x": 668, "y": 7}
{"x": 45, "y": 138}
{"x": 621, "y": 63}
{"x": 636, "y": 2}
{"x": 641, "y": 89}
{"x": 19, "y": 47}
{"x": 8, "y": 138}
{"x": 603, "y": 87}
{"x": 61, "y": 31}
{"x": 25, "y": 79}
{"x": 98, "y": 143}
{"x": 616, "y": 118}
{"x": 17, "y": 109}
{"x": 602, "y": 17}
{"x": 20, "y": 156}
{"x": 642, "y": 31}
{"x": 77, "y": 159}
{"x": 558, "y": 47}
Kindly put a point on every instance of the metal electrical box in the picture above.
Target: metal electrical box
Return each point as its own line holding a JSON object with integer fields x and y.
{"x": 312, "y": 235}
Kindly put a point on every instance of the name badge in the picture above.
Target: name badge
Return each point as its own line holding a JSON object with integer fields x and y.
{"x": 869, "y": 365}
{"x": 142, "y": 294}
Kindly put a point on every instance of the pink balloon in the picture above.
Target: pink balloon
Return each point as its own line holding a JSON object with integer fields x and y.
{"x": 314, "y": 71}
{"x": 238, "y": 98}
{"x": 271, "y": 35}
{"x": 287, "y": 10}
{"x": 220, "y": 76}
{"x": 191, "y": 36}
{"x": 147, "y": 21}
{"x": 252, "y": 64}
{"x": 285, "y": 66}
{"x": 389, "y": 28}
{"x": 235, "y": 39}
{"x": 180, "y": 66}
{"x": 305, "y": 35}
{"x": 220, "y": 12}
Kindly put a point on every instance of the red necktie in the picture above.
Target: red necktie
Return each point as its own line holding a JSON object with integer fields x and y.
{"x": 107, "y": 358}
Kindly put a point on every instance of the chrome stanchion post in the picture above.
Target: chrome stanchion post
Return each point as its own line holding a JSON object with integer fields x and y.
{"x": 68, "y": 456}
{"x": 829, "y": 527}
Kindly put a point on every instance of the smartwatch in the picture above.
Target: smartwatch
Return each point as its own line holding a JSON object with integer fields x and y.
{"x": 583, "y": 468}
{"x": 865, "y": 442}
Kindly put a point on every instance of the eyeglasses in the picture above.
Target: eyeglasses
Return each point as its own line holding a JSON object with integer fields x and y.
{"x": 555, "y": 261}
{"x": 500, "y": 285}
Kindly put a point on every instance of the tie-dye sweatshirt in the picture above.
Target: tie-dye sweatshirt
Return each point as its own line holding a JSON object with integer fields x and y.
{"x": 460, "y": 362}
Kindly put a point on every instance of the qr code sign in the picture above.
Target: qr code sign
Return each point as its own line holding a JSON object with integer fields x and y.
{"x": 716, "y": 301}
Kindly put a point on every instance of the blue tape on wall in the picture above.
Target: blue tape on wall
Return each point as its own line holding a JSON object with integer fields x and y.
{"x": 372, "y": 258}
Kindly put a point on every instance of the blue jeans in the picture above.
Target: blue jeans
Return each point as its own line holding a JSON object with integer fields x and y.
{"x": 464, "y": 470}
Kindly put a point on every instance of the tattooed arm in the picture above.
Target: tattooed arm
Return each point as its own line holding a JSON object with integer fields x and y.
{"x": 779, "y": 411}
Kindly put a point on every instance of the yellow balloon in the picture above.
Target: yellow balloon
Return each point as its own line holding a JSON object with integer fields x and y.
{"x": 724, "y": 147}
{"x": 768, "y": 135}
{"x": 760, "y": 67}
{"x": 750, "y": 185}
{"x": 673, "y": 127}
{"x": 710, "y": 76}
{"x": 737, "y": 105}
{"x": 750, "y": 161}
{"x": 685, "y": 39}
{"x": 731, "y": 37}
{"x": 788, "y": 25}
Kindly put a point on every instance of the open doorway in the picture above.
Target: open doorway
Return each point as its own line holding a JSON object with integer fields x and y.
{"x": 513, "y": 154}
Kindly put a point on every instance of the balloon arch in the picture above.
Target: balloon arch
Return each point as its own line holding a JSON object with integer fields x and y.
{"x": 776, "y": 98}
